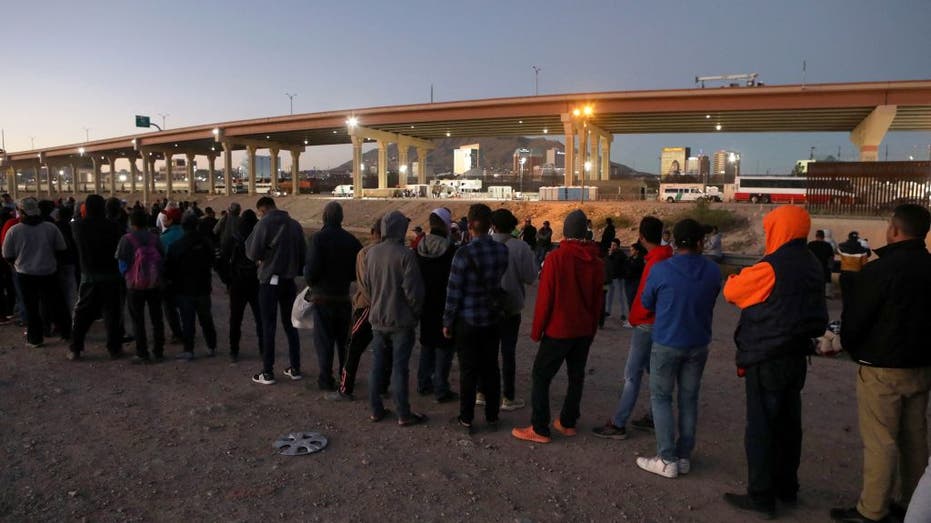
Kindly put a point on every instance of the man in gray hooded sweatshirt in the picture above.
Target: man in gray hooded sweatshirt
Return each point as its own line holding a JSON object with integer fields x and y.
{"x": 277, "y": 246}
{"x": 397, "y": 294}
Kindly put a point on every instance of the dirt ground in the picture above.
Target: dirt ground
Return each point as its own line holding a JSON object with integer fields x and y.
{"x": 103, "y": 440}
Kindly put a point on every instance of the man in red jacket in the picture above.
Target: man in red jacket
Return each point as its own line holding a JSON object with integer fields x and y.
{"x": 565, "y": 320}
{"x": 641, "y": 342}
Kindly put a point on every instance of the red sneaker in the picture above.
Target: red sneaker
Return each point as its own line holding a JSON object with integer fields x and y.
{"x": 528, "y": 434}
{"x": 565, "y": 431}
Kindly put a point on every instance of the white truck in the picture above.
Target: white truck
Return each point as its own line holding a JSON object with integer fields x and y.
{"x": 344, "y": 190}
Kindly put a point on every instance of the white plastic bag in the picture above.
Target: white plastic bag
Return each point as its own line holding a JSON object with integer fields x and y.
{"x": 302, "y": 312}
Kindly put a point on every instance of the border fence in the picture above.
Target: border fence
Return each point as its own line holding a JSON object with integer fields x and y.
{"x": 867, "y": 188}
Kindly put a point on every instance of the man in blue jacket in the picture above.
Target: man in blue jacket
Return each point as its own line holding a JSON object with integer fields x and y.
{"x": 681, "y": 291}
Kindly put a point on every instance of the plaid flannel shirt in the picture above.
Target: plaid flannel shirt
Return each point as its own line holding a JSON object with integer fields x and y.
{"x": 477, "y": 268}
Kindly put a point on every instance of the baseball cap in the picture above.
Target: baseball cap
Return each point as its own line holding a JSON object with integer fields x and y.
{"x": 444, "y": 215}
{"x": 30, "y": 206}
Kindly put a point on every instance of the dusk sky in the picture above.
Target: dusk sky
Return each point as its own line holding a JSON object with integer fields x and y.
{"x": 70, "y": 65}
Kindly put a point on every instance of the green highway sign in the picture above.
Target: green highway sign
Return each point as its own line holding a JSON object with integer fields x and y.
{"x": 142, "y": 121}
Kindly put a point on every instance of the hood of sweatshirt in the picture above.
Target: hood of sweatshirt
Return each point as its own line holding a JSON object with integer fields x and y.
{"x": 581, "y": 249}
{"x": 394, "y": 225}
{"x": 691, "y": 266}
{"x": 433, "y": 246}
{"x": 784, "y": 224}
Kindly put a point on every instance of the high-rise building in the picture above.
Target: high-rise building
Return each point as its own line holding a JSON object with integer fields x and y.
{"x": 465, "y": 158}
{"x": 673, "y": 161}
{"x": 726, "y": 163}
{"x": 555, "y": 158}
{"x": 263, "y": 167}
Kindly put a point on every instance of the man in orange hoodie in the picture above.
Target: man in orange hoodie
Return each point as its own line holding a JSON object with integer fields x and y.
{"x": 782, "y": 308}
{"x": 565, "y": 320}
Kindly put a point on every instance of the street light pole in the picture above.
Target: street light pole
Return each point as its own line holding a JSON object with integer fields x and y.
{"x": 522, "y": 162}
{"x": 87, "y": 134}
{"x": 164, "y": 115}
{"x": 291, "y": 100}
{"x": 536, "y": 79}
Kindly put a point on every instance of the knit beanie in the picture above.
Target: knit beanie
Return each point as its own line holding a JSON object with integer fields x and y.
{"x": 575, "y": 225}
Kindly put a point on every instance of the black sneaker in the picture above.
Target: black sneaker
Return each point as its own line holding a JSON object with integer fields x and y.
{"x": 338, "y": 396}
{"x": 462, "y": 425}
{"x": 644, "y": 423}
{"x": 447, "y": 397}
{"x": 265, "y": 378}
{"x": 140, "y": 360}
{"x": 852, "y": 515}
{"x": 610, "y": 431}
{"x": 745, "y": 502}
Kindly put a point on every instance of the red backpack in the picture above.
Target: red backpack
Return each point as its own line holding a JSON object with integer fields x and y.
{"x": 145, "y": 272}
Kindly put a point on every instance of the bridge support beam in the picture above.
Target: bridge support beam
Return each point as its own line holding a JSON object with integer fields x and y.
{"x": 250, "y": 151}
{"x": 133, "y": 174}
{"x": 357, "y": 166}
{"x": 569, "y": 127}
{"x": 295, "y": 171}
{"x": 227, "y": 168}
{"x": 146, "y": 176}
{"x": 169, "y": 176}
{"x": 97, "y": 176}
{"x": 605, "y": 159}
{"x": 870, "y": 132}
{"x": 402, "y": 165}
{"x": 189, "y": 171}
{"x": 421, "y": 165}
{"x": 212, "y": 173}
{"x": 382, "y": 164}
{"x": 112, "y": 184}
{"x": 273, "y": 166}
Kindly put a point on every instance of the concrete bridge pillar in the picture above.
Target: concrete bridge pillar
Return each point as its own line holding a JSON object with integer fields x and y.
{"x": 74, "y": 181}
{"x": 250, "y": 150}
{"x": 133, "y": 174}
{"x": 146, "y": 176}
{"x": 97, "y": 187}
{"x": 605, "y": 159}
{"x": 421, "y": 165}
{"x": 569, "y": 177}
{"x": 211, "y": 173}
{"x": 295, "y": 171}
{"x": 870, "y": 132}
{"x": 273, "y": 171}
{"x": 227, "y": 168}
{"x": 402, "y": 165}
{"x": 382, "y": 164}
{"x": 169, "y": 176}
{"x": 112, "y": 184}
{"x": 189, "y": 167}
{"x": 357, "y": 166}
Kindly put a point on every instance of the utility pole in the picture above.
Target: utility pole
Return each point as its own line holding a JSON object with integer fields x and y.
{"x": 164, "y": 115}
{"x": 32, "y": 141}
{"x": 87, "y": 134}
{"x": 811, "y": 154}
{"x": 291, "y": 99}
{"x": 536, "y": 80}
{"x": 431, "y": 93}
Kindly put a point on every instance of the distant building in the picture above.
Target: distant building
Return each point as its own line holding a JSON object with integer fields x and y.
{"x": 555, "y": 158}
{"x": 532, "y": 160}
{"x": 726, "y": 163}
{"x": 465, "y": 158}
{"x": 673, "y": 161}
{"x": 263, "y": 167}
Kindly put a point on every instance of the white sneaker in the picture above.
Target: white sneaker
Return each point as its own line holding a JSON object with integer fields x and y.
{"x": 480, "y": 399}
{"x": 657, "y": 465}
{"x": 627, "y": 325}
{"x": 514, "y": 404}
{"x": 293, "y": 374}
{"x": 684, "y": 466}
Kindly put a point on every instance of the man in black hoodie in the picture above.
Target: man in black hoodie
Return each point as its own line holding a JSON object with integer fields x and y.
{"x": 435, "y": 258}
{"x": 883, "y": 328}
{"x": 188, "y": 267}
{"x": 96, "y": 239}
{"x": 331, "y": 262}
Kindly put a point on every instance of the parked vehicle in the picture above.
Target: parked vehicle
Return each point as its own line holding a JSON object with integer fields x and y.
{"x": 347, "y": 191}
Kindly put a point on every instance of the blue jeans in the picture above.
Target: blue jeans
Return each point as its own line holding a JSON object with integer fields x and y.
{"x": 402, "y": 342}
{"x": 617, "y": 288}
{"x": 670, "y": 367}
{"x": 638, "y": 362}
{"x": 433, "y": 369}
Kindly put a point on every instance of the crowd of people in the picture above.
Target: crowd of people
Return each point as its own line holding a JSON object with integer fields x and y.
{"x": 462, "y": 287}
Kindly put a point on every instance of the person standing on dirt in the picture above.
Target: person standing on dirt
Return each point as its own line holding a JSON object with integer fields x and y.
{"x": 172, "y": 233}
{"x": 521, "y": 271}
{"x": 528, "y": 233}
{"x": 681, "y": 291}
{"x": 189, "y": 266}
{"x": 101, "y": 289}
{"x": 472, "y": 314}
{"x": 544, "y": 242}
{"x": 607, "y": 236}
{"x": 31, "y": 247}
{"x": 825, "y": 255}
{"x": 782, "y": 308}
{"x": 615, "y": 274}
{"x": 565, "y": 321}
{"x": 883, "y": 328}
{"x": 397, "y": 294}
{"x": 330, "y": 269}
{"x": 277, "y": 246}
{"x": 641, "y": 343}
{"x": 360, "y": 334}
{"x": 149, "y": 295}
{"x": 435, "y": 257}
{"x": 242, "y": 282}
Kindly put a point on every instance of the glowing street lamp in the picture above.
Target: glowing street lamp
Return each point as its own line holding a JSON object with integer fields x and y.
{"x": 523, "y": 160}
